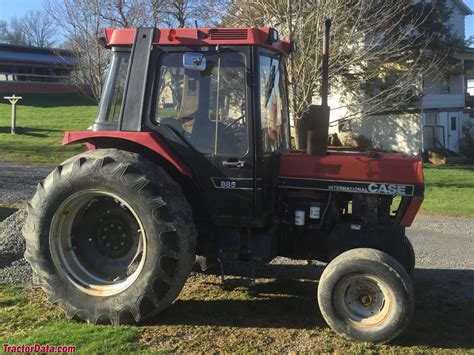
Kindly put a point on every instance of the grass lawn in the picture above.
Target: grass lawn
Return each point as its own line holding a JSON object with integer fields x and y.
{"x": 449, "y": 190}
{"x": 41, "y": 122}
{"x": 25, "y": 319}
{"x": 277, "y": 316}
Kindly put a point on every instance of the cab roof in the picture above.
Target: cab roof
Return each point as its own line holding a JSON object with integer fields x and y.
{"x": 200, "y": 37}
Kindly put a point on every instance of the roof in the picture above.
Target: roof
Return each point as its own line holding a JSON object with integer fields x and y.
{"x": 28, "y": 54}
{"x": 199, "y": 37}
{"x": 463, "y": 7}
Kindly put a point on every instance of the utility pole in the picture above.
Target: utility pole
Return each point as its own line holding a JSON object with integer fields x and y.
{"x": 13, "y": 100}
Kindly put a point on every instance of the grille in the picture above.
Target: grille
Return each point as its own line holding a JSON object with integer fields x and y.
{"x": 332, "y": 169}
{"x": 228, "y": 33}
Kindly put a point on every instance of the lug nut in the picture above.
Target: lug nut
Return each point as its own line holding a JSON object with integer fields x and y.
{"x": 119, "y": 228}
{"x": 108, "y": 245}
{"x": 122, "y": 243}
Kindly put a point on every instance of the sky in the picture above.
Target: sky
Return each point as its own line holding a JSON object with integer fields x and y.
{"x": 12, "y": 8}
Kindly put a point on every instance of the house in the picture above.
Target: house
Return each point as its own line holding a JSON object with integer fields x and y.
{"x": 444, "y": 117}
{"x": 26, "y": 69}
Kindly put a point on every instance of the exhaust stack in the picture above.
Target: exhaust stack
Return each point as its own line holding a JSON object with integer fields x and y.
{"x": 317, "y": 117}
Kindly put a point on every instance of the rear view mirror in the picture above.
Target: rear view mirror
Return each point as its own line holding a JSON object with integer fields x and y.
{"x": 194, "y": 61}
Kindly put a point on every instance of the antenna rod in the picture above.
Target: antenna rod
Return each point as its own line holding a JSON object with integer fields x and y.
{"x": 325, "y": 78}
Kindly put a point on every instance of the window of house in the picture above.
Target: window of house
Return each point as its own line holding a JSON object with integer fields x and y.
{"x": 431, "y": 118}
{"x": 470, "y": 87}
{"x": 445, "y": 86}
{"x": 453, "y": 123}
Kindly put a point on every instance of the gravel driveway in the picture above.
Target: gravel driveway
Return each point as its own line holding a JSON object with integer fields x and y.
{"x": 18, "y": 182}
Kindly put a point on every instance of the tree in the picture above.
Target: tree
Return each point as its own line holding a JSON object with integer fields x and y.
{"x": 33, "y": 29}
{"x": 39, "y": 30}
{"x": 379, "y": 49}
{"x": 83, "y": 21}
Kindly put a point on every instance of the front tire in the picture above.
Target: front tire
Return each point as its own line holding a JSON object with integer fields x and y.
{"x": 110, "y": 237}
{"x": 408, "y": 258}
{"x": 365, "y": 294}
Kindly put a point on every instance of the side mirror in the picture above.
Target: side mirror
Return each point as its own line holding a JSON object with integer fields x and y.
{"x": 194, "y": 61}
{"x": 293, "y": 47}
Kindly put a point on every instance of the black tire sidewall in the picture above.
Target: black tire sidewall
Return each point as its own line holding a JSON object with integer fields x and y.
{"x": 153, "y": 205}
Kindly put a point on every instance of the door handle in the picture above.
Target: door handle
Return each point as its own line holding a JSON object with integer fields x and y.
{"x": 233, "y": 164}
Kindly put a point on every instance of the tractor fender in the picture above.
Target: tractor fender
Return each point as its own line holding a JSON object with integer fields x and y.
{"x": 148, "y": 140}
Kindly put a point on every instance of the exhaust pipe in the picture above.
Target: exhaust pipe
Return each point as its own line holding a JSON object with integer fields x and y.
{"x": 317, "y": 117}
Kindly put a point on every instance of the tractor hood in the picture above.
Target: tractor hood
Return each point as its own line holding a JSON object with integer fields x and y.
{"x": 377, "y": 171}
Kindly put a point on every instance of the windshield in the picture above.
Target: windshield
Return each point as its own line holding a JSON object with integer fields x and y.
{"x": 207, "y": 108}
{"x": 112, "y": 93}
{"x": 273, "y": 103}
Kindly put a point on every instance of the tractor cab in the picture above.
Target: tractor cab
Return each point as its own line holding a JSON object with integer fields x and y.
{"x": 219, "y": 96}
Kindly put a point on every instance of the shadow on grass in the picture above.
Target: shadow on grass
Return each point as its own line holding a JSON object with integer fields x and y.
{"x": 444, "y": 315}
{"x": 32, "y": 132}
{"x": 55, "y": 100}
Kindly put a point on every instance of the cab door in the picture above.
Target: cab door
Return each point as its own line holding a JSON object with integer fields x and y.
{"x": 206, "y": 110}
{"x": 273, "y": 127}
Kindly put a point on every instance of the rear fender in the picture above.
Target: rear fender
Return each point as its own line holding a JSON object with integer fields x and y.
{"x": 147, "y": 140}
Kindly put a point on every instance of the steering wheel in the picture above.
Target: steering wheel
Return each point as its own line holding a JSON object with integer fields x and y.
{"x": 231, "y": 126}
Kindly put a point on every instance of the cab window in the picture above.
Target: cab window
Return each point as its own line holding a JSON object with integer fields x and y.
{"x": 207, "y": 108}
{"x": 273, "y": 104}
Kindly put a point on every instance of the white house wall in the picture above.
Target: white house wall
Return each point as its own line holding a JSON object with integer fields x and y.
{"x": 393, "y": 132}
{"x": 440, "y": 101}
{"x": 456, "y": 20}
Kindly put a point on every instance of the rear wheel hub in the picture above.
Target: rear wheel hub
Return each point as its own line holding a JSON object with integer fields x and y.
{"x": 98, "y": 242}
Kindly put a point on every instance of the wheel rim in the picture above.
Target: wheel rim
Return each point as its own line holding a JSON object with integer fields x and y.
{"x": 97, "y": 242}
{"x": 363, "y": 300}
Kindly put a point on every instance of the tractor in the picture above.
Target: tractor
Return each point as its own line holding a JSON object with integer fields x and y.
{"x": 190, "y": 159}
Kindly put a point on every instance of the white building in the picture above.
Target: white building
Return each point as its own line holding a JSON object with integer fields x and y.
{"x": 442, "y": 120}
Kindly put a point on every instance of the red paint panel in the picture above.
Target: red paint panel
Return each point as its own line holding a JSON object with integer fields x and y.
{"x": 199, "y": 37}
{"x": 146, "y": 139}
{"x": 389, "y": 168}
{"x": 411, "y": 211}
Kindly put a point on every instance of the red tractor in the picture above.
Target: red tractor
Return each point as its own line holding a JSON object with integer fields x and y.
{"x": 190, "y": 156}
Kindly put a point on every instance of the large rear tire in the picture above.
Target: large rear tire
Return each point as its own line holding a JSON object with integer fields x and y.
{"x": 365, "y": 294}
{"x": 110, "y": 237}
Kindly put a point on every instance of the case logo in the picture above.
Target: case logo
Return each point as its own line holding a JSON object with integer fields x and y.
{"x": 391, "y": 189}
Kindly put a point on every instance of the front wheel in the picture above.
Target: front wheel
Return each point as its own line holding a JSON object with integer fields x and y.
{"x": 110, "y": 237}
{"x": 365, "y": 294}
{"x": 407, "y": 258}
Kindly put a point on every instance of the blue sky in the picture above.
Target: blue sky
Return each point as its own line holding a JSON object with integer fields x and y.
{"x": 11, "y": 8}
